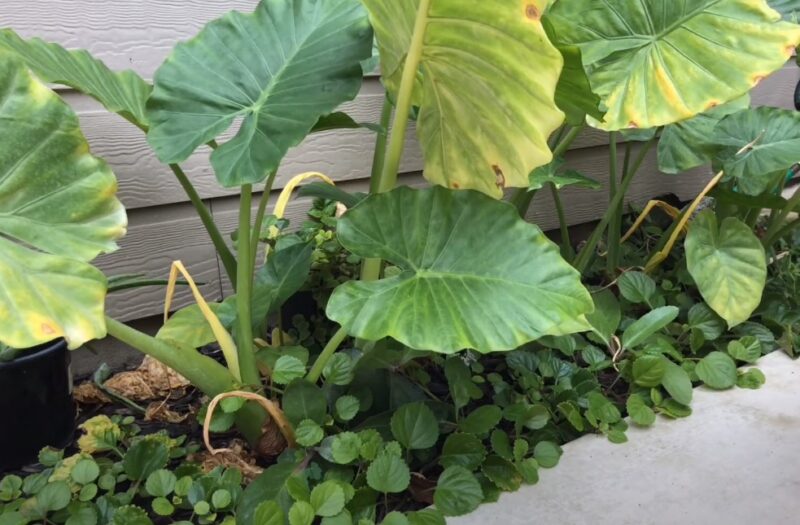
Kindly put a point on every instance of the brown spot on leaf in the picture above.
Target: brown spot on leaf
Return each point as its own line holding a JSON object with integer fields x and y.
{"x": 455, "y": 185}
{"x": 633, "y": 125}
{"x": 712, "y": 105}
{"x": 500, "y": 178}
{"x": 532, "y": 12}
{"x": 47, "y": 329}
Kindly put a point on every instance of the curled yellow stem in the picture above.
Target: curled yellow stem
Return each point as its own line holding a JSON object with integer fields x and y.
{"x": 272, "y": 409}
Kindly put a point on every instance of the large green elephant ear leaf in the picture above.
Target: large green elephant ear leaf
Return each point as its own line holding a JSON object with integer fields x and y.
{"x": 774, "y": 138}
{"x": 488, "y": 79}
{"x": 124, "y": 93}
{"x": 472, "y": 274}
{"x": 278, "y": 69}
{"x": 656, "y": 63}
{"x": 57, "y": 212}
{"x": 688, "y": 144}
{"x": 728, "y": 265}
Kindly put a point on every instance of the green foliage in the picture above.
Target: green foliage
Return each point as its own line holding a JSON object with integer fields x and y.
{"x": 284, "y": 84}
{"x": 728, "y": 263}
{"x": 516, "y": 68}
{"x": 639, "y": 67}
{"x": 57, "y": 214}
{"x": 459, "y": 301}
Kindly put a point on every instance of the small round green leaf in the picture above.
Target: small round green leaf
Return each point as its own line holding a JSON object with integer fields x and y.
{"x": 481, "y": 420}
{"x": 547, "y": 454}
{"x": 163, "y": 507}
{"x": 54, "y": 496}
{"x": 747, "y": 349}
{"x": 221, "y": 499}
{"x": 287, "y": 369}
{"x": 347, "y": 407}
{"x": 308, "y": 433}
{"x": 160, "y": 483}
{"x": 388, "y": 474}
{"x": 346, "y": 447}
{"x": 717, "y": 371}
{"x": 463, "y": 450}
{"x": 303, "y": 400}
{"x": 339, "y": 370}
{"x": 639, "y": 412}
{"x": 85, "y": 471}
{"x": 327, "y": 498}
{"x": 415, "y": 426}
{"x": 636, "y": 287}
{"x": 752, "y": 379}
{"x": 301, "y": 513}
{"x": 458, "y": 492}
{"x": 143, "y": 458}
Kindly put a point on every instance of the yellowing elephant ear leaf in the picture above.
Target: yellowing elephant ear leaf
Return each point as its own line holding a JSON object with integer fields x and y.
{"x": 57, "y": 212}
{"x": 486, "y": 87}
{"x": 656, "y": 63}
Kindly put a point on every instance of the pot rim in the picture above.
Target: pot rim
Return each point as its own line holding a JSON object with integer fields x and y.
{"x": 35, "y": 353}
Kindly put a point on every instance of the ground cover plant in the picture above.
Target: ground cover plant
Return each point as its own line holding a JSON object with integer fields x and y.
{"x": 460, "y": 346}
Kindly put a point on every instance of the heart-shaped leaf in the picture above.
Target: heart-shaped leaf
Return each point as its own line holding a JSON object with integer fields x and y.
{"x": 280, "y": 69}
{"x": 688, "y": 144}
{"x": 656, "y": 63}
{"x": 486, "y": 87}
{"x": 728, "y": 265}
{"x": 472, "y": 274}
{"x": 124, "y": 93}
{"x": 775, "y": 137}
{"x": 57, "y": 212}
{"x": 552, "y": 173}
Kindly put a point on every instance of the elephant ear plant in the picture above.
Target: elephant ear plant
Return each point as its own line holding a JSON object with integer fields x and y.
{"x": 470, "y": 274}
{"x": 57, "y": 213}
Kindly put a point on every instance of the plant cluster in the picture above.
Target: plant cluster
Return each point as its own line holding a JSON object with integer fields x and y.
{"x": 120, "y": 477}
{"x": 460, "y": 346}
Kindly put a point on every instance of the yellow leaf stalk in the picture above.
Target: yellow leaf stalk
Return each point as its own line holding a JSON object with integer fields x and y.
{"x": 224, "y": 339}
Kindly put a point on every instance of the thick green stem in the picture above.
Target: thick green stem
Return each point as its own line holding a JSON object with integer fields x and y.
{"x": 326, "y": 354}
{"x": 225, "y": 254}
{"x": 387, "y": 176}
{"x": 779, "y": 224}
{"x": 394, "y": 154}
{"x": 381, "y": 141}
{"x": 206, "y": 374}
{"x": 614, "y": 233}
{"x": 588, "y": 251}
{"x": 247, "y": 358}
{"x": 566, "y": 242}
{"x": 371, "y": 268}
{"x": 202, "y": 371}
{"x": 523, "y": 198}
{"x": 259, "y": 222}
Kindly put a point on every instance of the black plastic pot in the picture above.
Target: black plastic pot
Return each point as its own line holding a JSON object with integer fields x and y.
{"x": 36, "y": 406}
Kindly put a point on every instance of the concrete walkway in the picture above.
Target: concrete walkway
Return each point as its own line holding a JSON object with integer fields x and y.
{"x": 736, "y": 460}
